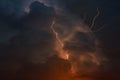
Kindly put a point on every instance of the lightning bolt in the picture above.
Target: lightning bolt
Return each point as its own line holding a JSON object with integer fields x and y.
{"x": 56, "y": 35}
{"x": 93, "y": 22}
{"x": 62, "y": 53}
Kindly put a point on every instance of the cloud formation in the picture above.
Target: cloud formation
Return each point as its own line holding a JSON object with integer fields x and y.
{"x": 27, "y": 49}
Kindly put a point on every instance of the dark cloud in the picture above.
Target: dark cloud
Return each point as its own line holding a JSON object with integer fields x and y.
{"x": 58, "y": 67}
{"x": 27, "y": 41}
{"x": 11, "y": 7}
{"x": 10, "y": 11}
{"x": 54, "y": 68}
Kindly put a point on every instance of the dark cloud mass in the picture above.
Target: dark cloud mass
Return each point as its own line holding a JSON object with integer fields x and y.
{"x": 28, "y": 44}
{"x": 24, "y": 37}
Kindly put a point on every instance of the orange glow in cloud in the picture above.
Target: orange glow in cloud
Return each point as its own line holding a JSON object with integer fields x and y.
{"x": 64, "y": 54}
{"x": 78, "y": 60}
{"x": 60, "y": 45}
{"x": 95, "y": 59}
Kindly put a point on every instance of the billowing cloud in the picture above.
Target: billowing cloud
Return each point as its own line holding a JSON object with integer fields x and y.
{"x": 30, "y": 49}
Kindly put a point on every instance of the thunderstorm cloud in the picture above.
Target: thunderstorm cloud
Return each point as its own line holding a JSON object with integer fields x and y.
{"x": 30, "y": 50}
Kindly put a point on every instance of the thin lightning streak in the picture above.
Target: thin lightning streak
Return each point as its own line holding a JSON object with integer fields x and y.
{"x": 62, "y": 53}
{"x": 93, "y": 22}
{"x": 56, "y": 35}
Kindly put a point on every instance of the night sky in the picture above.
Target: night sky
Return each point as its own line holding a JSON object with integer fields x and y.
{"x": 29, "y": 48}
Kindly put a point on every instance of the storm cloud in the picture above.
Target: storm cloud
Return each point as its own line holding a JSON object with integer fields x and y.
{"x": 27, "y": 43}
